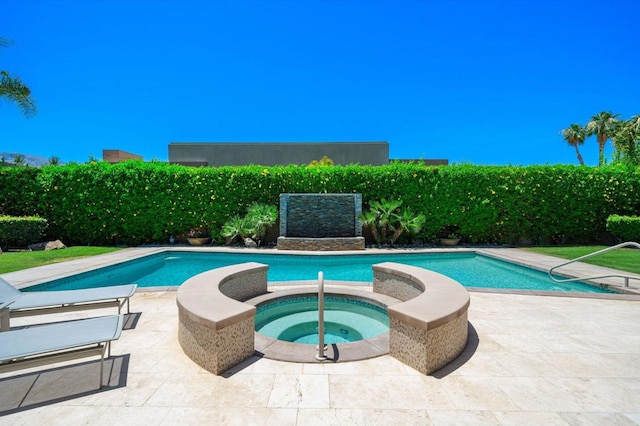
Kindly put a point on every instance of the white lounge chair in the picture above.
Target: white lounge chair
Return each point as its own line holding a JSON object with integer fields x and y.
{"x": 48, "y": 343}
{"x": 47, "y": 302}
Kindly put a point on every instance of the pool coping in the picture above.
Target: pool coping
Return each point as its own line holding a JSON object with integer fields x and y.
{"x": 34, "y": 276}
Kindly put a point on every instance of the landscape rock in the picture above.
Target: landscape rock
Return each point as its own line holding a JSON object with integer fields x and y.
{"x": 47, "y": 245}
{"x": 248, "y": 242}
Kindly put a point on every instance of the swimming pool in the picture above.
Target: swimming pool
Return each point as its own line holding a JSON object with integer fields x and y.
{"x": 172, "y": 268}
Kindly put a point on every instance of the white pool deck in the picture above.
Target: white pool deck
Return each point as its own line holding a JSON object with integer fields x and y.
{"x": 531, "y": 359}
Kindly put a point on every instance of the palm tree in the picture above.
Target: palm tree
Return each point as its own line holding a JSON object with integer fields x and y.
{"x": 408, "y": 222}
{"x": 575, "y": 135}
{"x": 14, "y": 90}
{"x": 235, "y": 227}
{"x": 387, "y": 221}
{"x": 626, "y": 139}
{"x": 259, "y": 218}
{"x": 19, "y": 160}
{"x": 380, "y": 218}
{"x": 633, "y": 124}
{"x": 602, "y": 126}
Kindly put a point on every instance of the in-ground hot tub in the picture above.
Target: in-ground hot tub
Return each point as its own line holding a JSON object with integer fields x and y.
{"x": 427, "y": 311}
{"x": 356, "y": 324}
{"x": 295, "y": 319}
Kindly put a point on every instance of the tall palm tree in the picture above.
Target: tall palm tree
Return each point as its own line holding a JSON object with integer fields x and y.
{"x": 634, "y": 124}
{"x": 626, "y": 139}
{"x": 19, "y": 160}
{"x": 575, "y": 135}
{"x": 14, "y": 90}
{"x": 602, "y": 126}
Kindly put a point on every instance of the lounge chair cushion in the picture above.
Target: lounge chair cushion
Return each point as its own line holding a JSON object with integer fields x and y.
{"x": 49, "y": 343}
{"x": 39, "y": 339}
{"x": 26, "y": 303}
{"x": 38, "y": 299}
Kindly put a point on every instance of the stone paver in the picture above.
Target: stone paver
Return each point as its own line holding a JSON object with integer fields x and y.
{"x": 530, "y": 360}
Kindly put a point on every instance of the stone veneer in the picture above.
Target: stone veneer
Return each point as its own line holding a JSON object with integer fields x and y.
{"x": 427, "y": 350}
{"x": 215, "y": 329}
{"x": 394, "y": 286}
{"x": 320, "y": 222}
{"x": 321, "y": 244}
{"x": 429, "y": 329}
{"x": 216, "y": 350}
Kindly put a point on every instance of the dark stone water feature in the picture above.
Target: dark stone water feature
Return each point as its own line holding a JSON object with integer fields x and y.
{"x": 320, "y": 222}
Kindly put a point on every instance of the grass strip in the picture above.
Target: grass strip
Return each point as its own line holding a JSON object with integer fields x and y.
{"x": 17, "y": 260}
{"x": 624, "y": 259}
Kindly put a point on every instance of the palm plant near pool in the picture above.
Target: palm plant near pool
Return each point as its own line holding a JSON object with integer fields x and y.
{"x": 255, "y": 224}
{"x": 235, "y": 228}
{"x": 387, "y": 221}
{"x": 259, "y": 218}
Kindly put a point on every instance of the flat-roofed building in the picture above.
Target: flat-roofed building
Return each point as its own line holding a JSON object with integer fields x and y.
{"x": 277, "y": 153}
{"x": 117, "y": 156}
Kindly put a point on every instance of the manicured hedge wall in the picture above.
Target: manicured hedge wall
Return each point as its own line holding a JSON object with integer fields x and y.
{"x": 626, "y": 228}
{"x": 21, "y": 231}
{"x": 136, "y": 202}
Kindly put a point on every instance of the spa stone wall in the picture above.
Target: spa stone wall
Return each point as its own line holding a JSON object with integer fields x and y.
{"x": 216, "y": 351}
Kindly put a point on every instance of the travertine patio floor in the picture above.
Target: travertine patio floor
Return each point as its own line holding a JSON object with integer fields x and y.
{"x": 530, "y": 360}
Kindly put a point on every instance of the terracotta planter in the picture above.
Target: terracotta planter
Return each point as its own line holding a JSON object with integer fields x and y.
{"x": 449, "y": 241}
{"x": 201, "y": 241}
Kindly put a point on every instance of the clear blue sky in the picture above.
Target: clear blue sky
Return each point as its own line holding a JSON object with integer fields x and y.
{"x": 485, "y": 82}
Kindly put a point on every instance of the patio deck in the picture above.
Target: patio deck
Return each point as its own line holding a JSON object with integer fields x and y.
{"x": 531, "y": 359}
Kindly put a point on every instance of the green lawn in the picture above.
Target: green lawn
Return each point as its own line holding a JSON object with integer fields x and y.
{"x": 624, "y": 259}
{"x": 17, "y": 260}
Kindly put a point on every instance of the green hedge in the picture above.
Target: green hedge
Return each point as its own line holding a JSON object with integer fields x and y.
{"x": 21, "y": 231}
{"x": 136, "y": 202}
{"x": 627, "y": 228}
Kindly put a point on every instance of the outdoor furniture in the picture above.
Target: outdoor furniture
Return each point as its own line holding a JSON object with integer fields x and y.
{"x": 47, "y": 302}
{"x": 39, "y": 345}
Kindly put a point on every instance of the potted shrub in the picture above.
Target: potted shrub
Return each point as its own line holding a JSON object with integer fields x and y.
{"x": 448, "y": 235}
{"x": 198, "y": 237}
{"x": 450, "y": 240}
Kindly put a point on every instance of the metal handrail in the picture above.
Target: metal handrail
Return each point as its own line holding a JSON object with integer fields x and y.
{"x": 626, "y": 277}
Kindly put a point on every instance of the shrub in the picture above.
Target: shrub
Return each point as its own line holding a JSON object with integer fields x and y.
{"x": 387, "y": 220}
{"x": 259, "y": 218}
{"x": 21, "y": 231}
{"x": 325, "y": 161}
{"x": 137, "y": 203}
{"x": 235, "y": 228}
{"x": 255, "y": 224}
{"x": 627, "y": 228}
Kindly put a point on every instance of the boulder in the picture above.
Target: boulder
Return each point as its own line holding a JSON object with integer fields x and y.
{"x": 248, "y": 242}
{"x": 48, "y": 245}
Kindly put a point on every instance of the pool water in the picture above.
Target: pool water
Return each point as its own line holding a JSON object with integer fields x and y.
{"x": 345, "y": 320}
{"x": 175, "y": 267}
